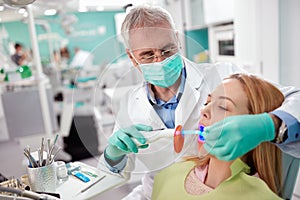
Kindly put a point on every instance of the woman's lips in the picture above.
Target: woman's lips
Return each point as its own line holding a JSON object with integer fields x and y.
{"x": 202, "y": 124}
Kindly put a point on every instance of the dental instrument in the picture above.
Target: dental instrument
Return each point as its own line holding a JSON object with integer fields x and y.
{"x": 177, "y": 134}
{"x": 179, "y": 137}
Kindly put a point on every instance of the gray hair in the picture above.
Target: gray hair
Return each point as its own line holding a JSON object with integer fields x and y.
{"x": 144, "y": 16}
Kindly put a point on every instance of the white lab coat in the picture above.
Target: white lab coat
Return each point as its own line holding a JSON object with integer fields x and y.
{"x": 135, "y": 108}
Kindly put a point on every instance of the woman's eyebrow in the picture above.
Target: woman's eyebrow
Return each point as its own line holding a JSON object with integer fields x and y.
{"x": 227, "y": 98}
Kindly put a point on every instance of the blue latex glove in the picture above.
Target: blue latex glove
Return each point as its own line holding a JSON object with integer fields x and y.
{"x": 236, "y": 135}
{"x": 121, "y": 143}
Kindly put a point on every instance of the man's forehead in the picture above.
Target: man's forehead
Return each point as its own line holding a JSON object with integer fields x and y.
{"x": 151, "y": 38}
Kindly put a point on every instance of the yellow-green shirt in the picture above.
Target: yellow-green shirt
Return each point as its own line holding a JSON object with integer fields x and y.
{"x": 169, "y": 184}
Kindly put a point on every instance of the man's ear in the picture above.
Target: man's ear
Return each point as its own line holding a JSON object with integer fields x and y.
{"x": 129, "y": 54}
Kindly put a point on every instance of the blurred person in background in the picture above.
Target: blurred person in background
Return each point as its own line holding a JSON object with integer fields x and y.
{"x": 19, "y": 57}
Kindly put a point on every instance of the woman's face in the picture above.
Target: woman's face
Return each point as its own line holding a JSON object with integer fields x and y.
{"x": 226, "y": 100}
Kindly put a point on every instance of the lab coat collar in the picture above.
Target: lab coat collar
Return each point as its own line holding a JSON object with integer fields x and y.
{"x": 141, "y": 102}
{"x": 191, "y": 94}
{"x": 194, "y": 73}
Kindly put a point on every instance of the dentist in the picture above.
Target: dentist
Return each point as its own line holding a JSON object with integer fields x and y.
{"x": 172, "y": 94}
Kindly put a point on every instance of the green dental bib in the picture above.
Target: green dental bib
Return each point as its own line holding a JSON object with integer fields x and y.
{"x": 169, "y": 184}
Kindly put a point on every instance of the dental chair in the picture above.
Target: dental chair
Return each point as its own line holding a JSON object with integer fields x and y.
{"x": 290, "y": 168}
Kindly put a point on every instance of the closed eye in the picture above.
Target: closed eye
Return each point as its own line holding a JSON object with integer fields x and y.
{"x": 223, "y": 108}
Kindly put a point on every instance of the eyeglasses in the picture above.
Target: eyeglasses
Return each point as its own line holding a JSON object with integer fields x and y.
{"x": 150, "y": 56}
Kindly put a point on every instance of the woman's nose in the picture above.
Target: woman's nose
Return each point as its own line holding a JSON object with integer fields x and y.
{"x": 204, "y": 114}
{"x": 203, "y": 121}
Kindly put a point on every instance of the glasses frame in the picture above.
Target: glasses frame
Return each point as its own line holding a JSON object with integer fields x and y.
{"x": 151, "y": 59}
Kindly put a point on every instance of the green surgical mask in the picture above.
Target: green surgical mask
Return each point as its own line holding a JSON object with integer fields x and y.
{"x": 164, "y": 73}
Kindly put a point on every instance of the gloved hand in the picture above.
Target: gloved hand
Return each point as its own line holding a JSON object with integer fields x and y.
{"x": 121, "y": 143}
{"x": 236, "y": 135}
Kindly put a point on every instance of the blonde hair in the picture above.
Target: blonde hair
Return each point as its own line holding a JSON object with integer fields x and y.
{"x": 265, "y": 159}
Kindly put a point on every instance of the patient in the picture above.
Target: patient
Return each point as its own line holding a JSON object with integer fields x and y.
{"x": 255, "y": 175}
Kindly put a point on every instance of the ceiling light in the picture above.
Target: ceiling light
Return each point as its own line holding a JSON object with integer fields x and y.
{"x": 100, "y": 8}
{"x": 50, "y": 12}
{"x": 82, "y": 9}
{"x": 21, "y": 11}
{"x": 18, "y": 3}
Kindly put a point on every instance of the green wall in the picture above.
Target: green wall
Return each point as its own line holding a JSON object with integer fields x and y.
{"x": 196, "y": 42}
{"x": 93, "y": 31}
{"x": 18, "y": 32}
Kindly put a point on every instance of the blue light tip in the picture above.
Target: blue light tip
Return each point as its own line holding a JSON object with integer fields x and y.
{"x": 201, "y": 128}
{"x": 201, "y": 138}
